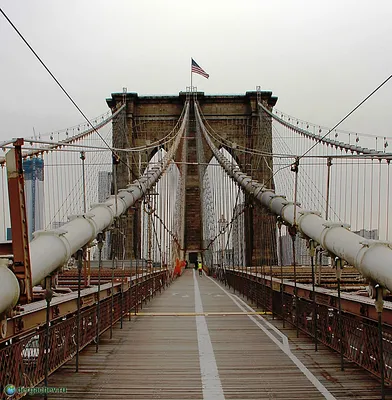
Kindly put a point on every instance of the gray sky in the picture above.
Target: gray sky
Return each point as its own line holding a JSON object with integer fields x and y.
{"x": 319, "y": 57}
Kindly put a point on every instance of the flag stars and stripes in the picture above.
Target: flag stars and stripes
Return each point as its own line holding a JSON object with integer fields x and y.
{"x": 198, "y": 70}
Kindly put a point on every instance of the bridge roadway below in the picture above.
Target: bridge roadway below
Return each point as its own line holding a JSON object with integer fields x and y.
{"x": 198, "y": 340}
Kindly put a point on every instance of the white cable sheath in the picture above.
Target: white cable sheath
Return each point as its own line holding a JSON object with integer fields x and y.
{"x": 51, "y": 249}
{"x": 372, "y": 258}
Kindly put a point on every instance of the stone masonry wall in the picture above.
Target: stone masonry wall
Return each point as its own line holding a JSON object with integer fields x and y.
{"x": 236, "y": 119}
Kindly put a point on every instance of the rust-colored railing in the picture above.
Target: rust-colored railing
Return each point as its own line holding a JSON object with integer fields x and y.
{"x": 358, "y": 338}
{"x": 23, "y": 362}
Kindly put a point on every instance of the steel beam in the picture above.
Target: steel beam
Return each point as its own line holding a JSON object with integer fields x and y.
{"x": 20, "y": 237}
{"x": 6, "y": 248}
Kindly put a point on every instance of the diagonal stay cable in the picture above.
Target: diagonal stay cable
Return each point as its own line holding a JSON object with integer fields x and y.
{"x": 347, "y": 115}
{"x": 341, "y": 121}
{"x": 54, "y": 78}
{"x": 115, "y": 156}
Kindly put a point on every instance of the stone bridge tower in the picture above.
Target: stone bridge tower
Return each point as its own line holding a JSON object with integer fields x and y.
{"x": 237, "y": 119}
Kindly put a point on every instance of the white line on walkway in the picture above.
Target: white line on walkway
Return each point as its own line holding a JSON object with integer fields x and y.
{"x": 286, "y": 349}
{"x": 267, "y": 325}
{"x": 212, "y": 386}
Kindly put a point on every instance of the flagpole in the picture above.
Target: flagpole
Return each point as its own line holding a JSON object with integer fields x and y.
{"x": 191, "y": 76}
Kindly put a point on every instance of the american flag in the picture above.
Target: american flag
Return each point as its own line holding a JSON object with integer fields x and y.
{"x": 198, "y": 70}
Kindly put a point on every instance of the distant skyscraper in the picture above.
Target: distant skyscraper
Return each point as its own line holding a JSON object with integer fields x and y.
{"x": 104, "y": 190}
{"x": 34, "y": 192}
{"x": 238, "y": 235}
{"x": 302, "y": 256}
{"x": 57, "y": 224}
{"x": 301, "y": 251}
{"x": 368, "y": 234}
{"x": 104, "y": 185}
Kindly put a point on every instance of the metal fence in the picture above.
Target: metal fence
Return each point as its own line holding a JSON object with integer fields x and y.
{"x": 23, "y": 360}
{"x": 356, "y": 338}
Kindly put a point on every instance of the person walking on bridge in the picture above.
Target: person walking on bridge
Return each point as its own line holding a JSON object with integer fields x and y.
{"x": 200, "y": 268}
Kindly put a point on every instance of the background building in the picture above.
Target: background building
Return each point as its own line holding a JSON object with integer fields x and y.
{"x": 301, "y": 251}
{"x": 104, "y": 191}
{"x": 34, "y": 192}
{"x": 368, "y": 234}
{"x": 238, "y": 236}
{"x": 104, "y": 185}
{"x": 57, "y": 224}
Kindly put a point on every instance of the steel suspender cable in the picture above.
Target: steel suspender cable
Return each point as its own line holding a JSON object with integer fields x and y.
{"x": 371, "y": 194}
{"x": 370, "y": 259}
{"x": 379, "y": 198}
{"x": 388, "y": 195}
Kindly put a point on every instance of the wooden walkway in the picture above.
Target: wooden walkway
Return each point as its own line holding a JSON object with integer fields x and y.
{"x": 197, "y": 340}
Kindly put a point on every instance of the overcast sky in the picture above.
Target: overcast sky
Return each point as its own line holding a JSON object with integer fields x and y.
{"x": 319, "y": 57}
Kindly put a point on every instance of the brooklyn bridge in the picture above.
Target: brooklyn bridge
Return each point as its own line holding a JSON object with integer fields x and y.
{"x": 106, "y": 222}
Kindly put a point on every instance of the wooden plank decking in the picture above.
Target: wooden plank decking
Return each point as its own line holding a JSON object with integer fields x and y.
{"x": 186, "y": 345}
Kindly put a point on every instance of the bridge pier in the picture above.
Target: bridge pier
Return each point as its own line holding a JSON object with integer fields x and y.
{"x": 236, "y": 118}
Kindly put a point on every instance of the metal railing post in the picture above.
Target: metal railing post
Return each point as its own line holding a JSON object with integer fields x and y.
{"x": 379, "y": 303}
{"x": 100, "y": 245}
{"x": 48, "y": 298}
{"x": 312, "y": 250}
{"x": 339, "y": 264}
{"x": 80, "y": 266}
